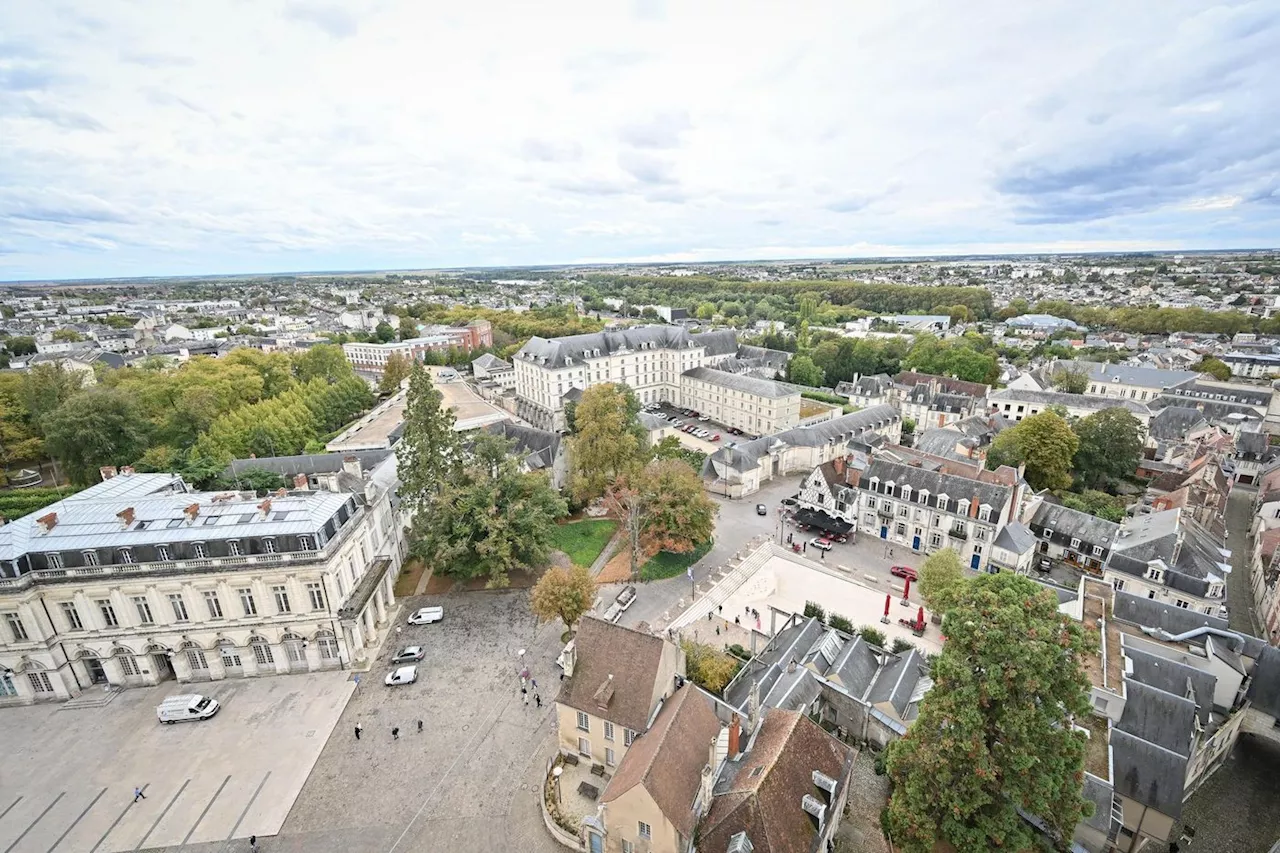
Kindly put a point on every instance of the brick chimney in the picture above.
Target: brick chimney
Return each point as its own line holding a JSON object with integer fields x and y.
{"x": 973, "y": 507}
{"x": 735, "y": 735}
{"x": 126, "y": 517}
{"x": 107, "y": 471}
{"x": 47, "y": 522}
{"x": 126, "y": 471}
{"x": 282, "y": 492}
{"x": 839, "y": 464}
{"x": 300, "y": 481}
{"x": 191, "y": 512}
{"x": 265, "y": 506}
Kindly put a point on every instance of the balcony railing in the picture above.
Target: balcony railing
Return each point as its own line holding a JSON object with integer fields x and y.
{"x": 958, "y": 533}
{"x": 166, "y": 567}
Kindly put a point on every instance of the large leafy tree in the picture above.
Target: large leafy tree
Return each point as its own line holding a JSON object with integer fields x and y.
{"x": 1110, "y": 446}
{"x": 608, "y": 443}
{"x": 941, "y": 579}
{"x": 1215, "y": 367}
{"x": 1071, "y": 379}
{"x": 802, "y": 371}
{"x": 563, "y": 594}
{"x": 1044, "y": 443}
{"x": 428, "y": 453}
{"x": 94, "y": 429}
{"x": 663, "y": 507}
{"x": 323, "y": 361}
{"x": 46, "y": 387}
{"x": 994, "y": 734}
{"x": 395, "y": 371}
{"x": 708, "y": 667}
{"x": 489, "y": 518}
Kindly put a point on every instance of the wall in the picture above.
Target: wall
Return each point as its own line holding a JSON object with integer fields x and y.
{"x": 621, "y": 821}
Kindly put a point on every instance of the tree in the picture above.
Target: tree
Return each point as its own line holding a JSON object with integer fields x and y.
{"x": 607, "y": 444}
{"x": 671, "y": 448}
{"x": 662, "y": 508}
{"x": 941, "y": 579}
{"x": 705, "y": 311}
{"x": 21, "y": 345}
{"x": 563, "y": 594}
{"x": 802, "y": 371}
{"x": 1110, "y": 446}
{"x": 1216, "y": 368}
{"x": 93, "y": 429}
{"x": 707, "y": 666}
{"x": 323, "y": 361}
{"x": 383, "y": 333}
{"x": 994, "y": 734}
{"x": 1044, "y": 443}
{"x": 46, "y": 387}
{"x": 66, "y": 336}
{"x": 649, "y": 313}
{"x": 395, "y": 371}
{"x": 1071, "y": 380}
{"x": 428, "y": 453}
{"x": 490, "y": 518}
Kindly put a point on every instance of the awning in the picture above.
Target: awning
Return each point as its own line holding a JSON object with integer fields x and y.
{"x": 818, "y": 518}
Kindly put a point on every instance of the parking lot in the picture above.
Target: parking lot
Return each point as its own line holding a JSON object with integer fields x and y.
{"x": 469, "y": 781}
{"x": 68, "y": 777}
{"x": 702, "y": 445}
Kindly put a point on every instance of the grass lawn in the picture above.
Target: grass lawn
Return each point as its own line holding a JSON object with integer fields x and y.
{"x": 583, "y": 540}
{"x": 665, "y": 564}
{"x": 410, "y": 574}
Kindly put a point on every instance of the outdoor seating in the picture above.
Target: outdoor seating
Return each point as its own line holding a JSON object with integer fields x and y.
{"x": 586, "y": 789}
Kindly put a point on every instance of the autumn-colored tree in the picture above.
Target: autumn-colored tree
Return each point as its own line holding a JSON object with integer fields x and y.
{"x": 395, "y": 371}
{"x": 563, "y": 594}
{"x": 994, "y": 739}
{"x": 662, "y": 508}
{"x": 708, "y": 667}
{"x": 608, "y": 443}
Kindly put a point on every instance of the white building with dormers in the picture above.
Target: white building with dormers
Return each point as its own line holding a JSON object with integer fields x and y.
{"x": 138, "y": 580}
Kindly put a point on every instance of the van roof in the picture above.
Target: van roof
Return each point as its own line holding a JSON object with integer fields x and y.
{"x": 182, "y": 699}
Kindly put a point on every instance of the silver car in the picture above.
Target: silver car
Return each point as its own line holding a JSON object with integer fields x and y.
{"x": 409, "y": 653}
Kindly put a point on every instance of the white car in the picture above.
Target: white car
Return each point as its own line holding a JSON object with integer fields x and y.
{"x": 821, "y": 543}
{"x": 409, "y": 653}
{"x": 704, "y": 417}
{"x": 426, "y": 616}
{"x": 403, "y": 675}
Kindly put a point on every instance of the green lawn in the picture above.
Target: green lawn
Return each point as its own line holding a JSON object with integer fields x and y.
{"x": 583, "y": 540}
{"x": 665, "y": 564}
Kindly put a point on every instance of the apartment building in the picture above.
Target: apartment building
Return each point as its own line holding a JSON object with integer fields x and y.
{"x": 372, "y": 357}
{"x": 1077, "y": 538}
{"x": 1166, "y": 556}
{"x": 757, "y": 406}
{"x": 139, "y": 580}
{"x": 1017, "y": 403}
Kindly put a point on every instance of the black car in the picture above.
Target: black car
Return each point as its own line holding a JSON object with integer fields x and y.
{"x": 761, "y": 509}
{"x": 788, "y": 501}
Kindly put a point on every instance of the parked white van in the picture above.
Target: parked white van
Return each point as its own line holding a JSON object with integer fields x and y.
{"x": 189, "y": 706}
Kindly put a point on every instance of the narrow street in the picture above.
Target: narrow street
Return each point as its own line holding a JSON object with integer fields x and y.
{"x": 1239, "y": 592}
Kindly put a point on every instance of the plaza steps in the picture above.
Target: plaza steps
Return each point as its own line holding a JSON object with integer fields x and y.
{"x": 91, "y": 698}
{"x": 740, "y": 568}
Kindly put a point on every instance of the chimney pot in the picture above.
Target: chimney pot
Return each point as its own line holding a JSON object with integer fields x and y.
{"x": 126, "y": 471}
{"x": 126, "y": 516}
{"x": 191, "y": 512}
{"x": 300, "y": 481}
{"x": 47, "y": 522}
{"x": 107, "y": 472}
{"x": 265, "y": 506}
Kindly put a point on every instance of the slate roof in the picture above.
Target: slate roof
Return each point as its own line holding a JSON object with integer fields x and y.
{"x": 937, "y": 483}
{"x": 946, "y": 384}
{"x": 489, "y": 361}
{"x": 1147, "y": 377}
{"x": 538, "y": 446}
{"x": 1165, "y": 719}
{"x": 866, "y": 386}
{"x": 896, "y": 682}
{"x": 633, "y": 658}
{"x": 1016, "y": 537}
{"x": 760, "y": 794}
{"x": 1174, "y": 677}
{"x": 942, "y": 441}
{"x": 745, "y": 384}
{"x": 1172, "y": 423}
{"x": 1264, "y": 690}
{"x": 1071, "y": 401}
{"x": 1247, "y": 396}
{"x": 746, "y": 455}
{"x": 668, "y": 759}
{"x": 557, "y": 352}
{"x": 310, "y": 463}
{"x": 1143, "y": 612}
{"x": 1074, "y": 523}
{"x": 1148, "y": 773}
{"x": 774, "y": 358}
{"x": 1253, "y": 443}
{"x": 717, "y": 343}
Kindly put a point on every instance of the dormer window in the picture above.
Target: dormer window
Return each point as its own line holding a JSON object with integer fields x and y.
{"x": 906, "y": 493}
{"x": 1154, "y": 574}
{"x": 984, "y": 513}
{"x": 924, "y": 496}
{"x": 1047, "y": 533}
{"x": 944, "y": 503}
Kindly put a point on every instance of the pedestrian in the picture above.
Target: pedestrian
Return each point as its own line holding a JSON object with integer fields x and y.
{"x": 720, "y": 609}
{"x": 737, "y": 620}
{"x": 747, "y": 610}
{"x": 823, "y": 555}
{"x": 534, "y": 682}
{"x": 526, "y": 700}
{"x": 537, "y": 698}
{"x": 562, "y": 675}
{"x": 253, "y": 842}
{"x": 395, "y": 733}
{"x": 708, "y": 615}
{"x": 419, "y": 726}
{"x": 524, "y": 691}
{"x": 717, "y": 630}
{"x": 359, "y": 729}
{"x": 804, "y": 549}
{"x": 137, "y": 794}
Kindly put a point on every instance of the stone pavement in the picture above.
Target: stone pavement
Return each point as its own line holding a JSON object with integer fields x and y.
{"x": 1240, "y": 610}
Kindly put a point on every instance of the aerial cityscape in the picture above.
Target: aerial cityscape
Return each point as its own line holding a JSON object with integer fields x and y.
{"x": 639, "y": 428}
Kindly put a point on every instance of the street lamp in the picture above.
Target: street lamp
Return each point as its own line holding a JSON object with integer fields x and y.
{"x": 556, "y": 773}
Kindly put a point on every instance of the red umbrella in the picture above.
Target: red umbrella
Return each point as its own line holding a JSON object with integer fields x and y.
{"x": 887, "y": 599}
{"x": 906, "y": 590}
{"x": 920, "y": 619}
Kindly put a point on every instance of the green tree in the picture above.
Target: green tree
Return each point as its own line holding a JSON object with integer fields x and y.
{"x": 45, "y": 388}
{"x": 994, "y": 735}
{"x": 563, "y": 594}
{"x": 708, "y": 667}
{"x": 490, "y": 518}
{"x": 93, "y": 429}
{"x": 323, "y": 361}
{"x": 1216, "y": 368}
{"x": 1110, "y": 446}
{"x": 671, "y": 448}
{"x": 1044, "y": 443}
{"x": 428, "y": 453}
{"x": 1070, "y": 380}
{"x": 802, "y": 371}
{"x": 607, "y": 443}
{"x": 1096, "y": 503}
{"x": 383, "y": 333}
{"x": 395, "y": 371}
{"x": 21, "y": 345}
{"x": 941, "y": 579}
{"x": 705, "y": 311}
{"x": 663, "y": 507}
{"x": 67, "y": 336}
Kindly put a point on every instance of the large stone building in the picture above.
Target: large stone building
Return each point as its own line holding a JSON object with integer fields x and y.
{"x": 372, "y": 357}
{"x": 138, "y": 580}
{"x": 661, "y": 364}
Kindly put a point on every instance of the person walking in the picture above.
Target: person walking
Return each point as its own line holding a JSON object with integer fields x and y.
{"x": 359, "y": 729}
{"x": 138, "y": 795}
{"x": 526, "y": 700}
{"x": 253, "y": 842}
{"x": 395, "y": 733}
{"x": 419, "y": 726}
{"x": 537, "y": 698}
{"x": 534, "y": 683}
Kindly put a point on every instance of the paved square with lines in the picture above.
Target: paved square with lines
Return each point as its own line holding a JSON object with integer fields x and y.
{"x": 69, "y": 775}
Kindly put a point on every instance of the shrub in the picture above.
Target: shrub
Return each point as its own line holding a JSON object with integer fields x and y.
{"x": 813, "y": 608}
{"x": 900, "y": 645}
{"x": 872, "y": 635}
{"x": 835, "y": 620}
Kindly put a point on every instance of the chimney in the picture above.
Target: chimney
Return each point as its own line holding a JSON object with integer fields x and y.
{"x": 126, "y": 471}
{"x": 973, "y": 507}
{"x": 839, "y": 465}
{"x": 265, "y": 506}
{"x": 791, "y": 665}
{"x": 351, "y": 465}
{"x": 107, "y": 472}
{"x": 126, "y": 517}
{"x": 47, "y": 522}
{"x": 735, "y": 735}
{"x": 282, "y": 492}
{"x": 300, "y": 481}
{"x": 191, "y": 512}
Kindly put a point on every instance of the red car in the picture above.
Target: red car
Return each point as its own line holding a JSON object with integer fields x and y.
{"x": 715, "y": 437}
{"x": 904, "y": 572}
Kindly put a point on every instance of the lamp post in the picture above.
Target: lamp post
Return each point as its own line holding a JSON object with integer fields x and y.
{"x": 556, "y": 773}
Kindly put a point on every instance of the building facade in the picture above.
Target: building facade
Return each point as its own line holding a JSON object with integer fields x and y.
{"x": 372, "y": 357}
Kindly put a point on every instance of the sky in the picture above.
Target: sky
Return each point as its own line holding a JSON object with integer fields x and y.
{"x": 157, "y": 138}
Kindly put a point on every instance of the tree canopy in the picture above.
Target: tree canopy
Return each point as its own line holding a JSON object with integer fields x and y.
{"x": 994, "y": 733}
{"x": 395, "y": 371}
{"x": 93, "y": 429}
{"x": 428, "y": 453}
{"x": 941, "y": 579}
{"x": 563, "y": 594}
{"x": 1217, "y": 368}
{"x": 607, "y": 443}
{"x": 1044, "y": 443}
{"x": 1110, "y": 446}
{"x": 663, "y": 507}
{"x": 802, "y": 371}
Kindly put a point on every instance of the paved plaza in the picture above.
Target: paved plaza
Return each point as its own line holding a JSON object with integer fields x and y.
{"x": 69, "y": 775}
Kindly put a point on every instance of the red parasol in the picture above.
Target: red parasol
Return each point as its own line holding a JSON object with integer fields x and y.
{"x": 887, "y": 599}
{"x": 906, "y": 590}
{"x": 920, "y": 619}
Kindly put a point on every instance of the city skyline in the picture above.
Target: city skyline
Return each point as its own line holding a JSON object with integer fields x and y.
{"x": 283, "y": 137}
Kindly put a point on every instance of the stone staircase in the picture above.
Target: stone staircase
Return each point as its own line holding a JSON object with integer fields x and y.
{"x": 94, "y": 697}
{"x": 726, "y": 580}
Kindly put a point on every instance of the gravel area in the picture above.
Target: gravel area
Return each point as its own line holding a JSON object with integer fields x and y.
{"x": 859, "y": 832}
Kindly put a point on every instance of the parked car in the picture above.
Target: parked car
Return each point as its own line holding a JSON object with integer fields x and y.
{"x": 408, "y": 653}
{"x": 821, "y": 542}
{"x": 426, "y": 616}
{"x": 904, "y": 572}
{"x": 677, "y": 423}
{"x": 403, "y": 675}
{"x": 735, "y": 431}
{"x": 788, "y": 501}
{"x": 620, "y": 604}
{"x": 715, "y": 437}
{"x": 185, "y": 708}
{"x": 704, "y": 417}
{"x": 761, "y": 509}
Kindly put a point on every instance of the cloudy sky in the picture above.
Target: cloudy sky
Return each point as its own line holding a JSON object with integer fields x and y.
{"x": 150, "y": 138}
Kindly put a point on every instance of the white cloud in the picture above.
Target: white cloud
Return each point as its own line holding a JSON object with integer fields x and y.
{"x": 291, "y": 135}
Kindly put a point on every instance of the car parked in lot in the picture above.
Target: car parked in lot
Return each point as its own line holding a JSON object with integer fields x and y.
{"x": 904, "y": 572}
{"x": 403, "y": 675}
{"x": 409, "y": 653}
{"x": 704, "y": 417}
{"x": 620, "y": 604}
{"x": 761, "y": 509}
{"x": 821, "y": 543}
{"x": 735, "y": 431}
{"x": 715, "y": 437}
{"x": 426, "y": 616}
{"x": 788, "y": 501}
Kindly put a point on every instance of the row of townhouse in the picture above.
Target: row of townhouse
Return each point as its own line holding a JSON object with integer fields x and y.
{"x": 1264, "y": 558}
{"x": 139, "y": 579}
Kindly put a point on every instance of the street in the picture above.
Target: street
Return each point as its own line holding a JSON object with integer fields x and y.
{"x": 1239, "y": 588}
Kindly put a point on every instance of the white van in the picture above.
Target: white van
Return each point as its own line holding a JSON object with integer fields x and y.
{"x": 189, "y": 706}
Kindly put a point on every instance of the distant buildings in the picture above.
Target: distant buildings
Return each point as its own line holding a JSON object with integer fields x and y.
{"x": 372, "y": 357}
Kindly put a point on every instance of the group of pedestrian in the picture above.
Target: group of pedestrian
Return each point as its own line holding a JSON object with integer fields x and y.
{"x": 525, "y": 684}
{"x": 395, "y": 731}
